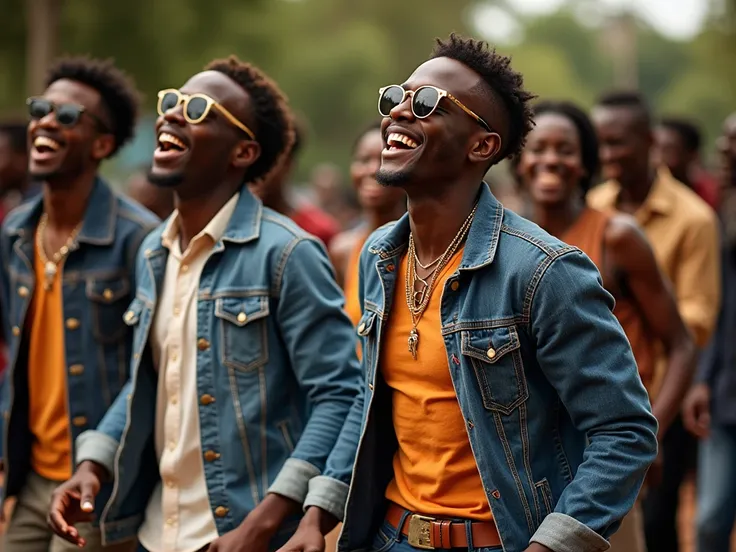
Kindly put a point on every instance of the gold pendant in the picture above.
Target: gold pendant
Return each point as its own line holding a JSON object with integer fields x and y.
{"x": 50, "y": 273}
{"x": 413, "y": 342}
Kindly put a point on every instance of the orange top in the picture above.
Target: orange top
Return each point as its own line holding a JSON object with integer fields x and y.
{"x": 352, "y": 298}
{"x": 434, "y": 469}
{"x": 588, "y": 234}
{"x": 48, "y": 417}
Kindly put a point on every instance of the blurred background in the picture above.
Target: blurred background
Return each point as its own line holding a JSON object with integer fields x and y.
{"x": 330, "y": 56}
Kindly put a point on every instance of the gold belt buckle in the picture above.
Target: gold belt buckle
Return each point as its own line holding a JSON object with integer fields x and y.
{"x": 420, "y": 532}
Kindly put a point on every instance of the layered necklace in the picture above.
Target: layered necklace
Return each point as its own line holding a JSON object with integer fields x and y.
{"x": 51, "y": 266}
{"x": 419, "y": 290}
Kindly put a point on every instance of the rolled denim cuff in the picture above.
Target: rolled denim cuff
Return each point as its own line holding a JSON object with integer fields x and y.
{"x": 562, "y": 533}
{"x": 97, "y": 447}
{"x": 328, "y": 494}
{"x": 293, "y": 479}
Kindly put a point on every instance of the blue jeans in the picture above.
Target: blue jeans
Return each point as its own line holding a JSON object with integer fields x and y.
{"x": 389, "y": 539}
{"x": 716, "y": 489}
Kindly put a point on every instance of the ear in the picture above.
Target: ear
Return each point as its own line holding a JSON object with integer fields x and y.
{"x": 486, "y": 148}
{"x": 246, "y": 153}
{"x": 103, "y": 146}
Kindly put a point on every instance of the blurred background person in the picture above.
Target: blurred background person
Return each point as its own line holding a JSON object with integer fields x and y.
{"x": 15, "y": 185}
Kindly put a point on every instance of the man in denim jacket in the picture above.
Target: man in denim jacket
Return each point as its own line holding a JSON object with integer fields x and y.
{"x": 244, "y": 367}
{"x": 67, "y": 277}
{"x": 502, "y": 406}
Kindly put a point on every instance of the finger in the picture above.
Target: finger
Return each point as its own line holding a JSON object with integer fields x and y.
{"x": 87, "y": 496}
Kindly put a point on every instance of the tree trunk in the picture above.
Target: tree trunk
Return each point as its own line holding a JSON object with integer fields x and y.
{"x": 42, "y": 24}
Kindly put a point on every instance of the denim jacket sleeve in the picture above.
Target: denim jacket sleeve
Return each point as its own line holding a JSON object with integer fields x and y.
{"x": 320, "y": 341}
{"x": 584, "y": 353}
{"x": 329, "y": 491}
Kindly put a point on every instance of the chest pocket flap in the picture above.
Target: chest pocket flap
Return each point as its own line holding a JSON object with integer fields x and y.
{"x": 244, "y": 331}
{"x": 242, "y": 310}
{"x": 496, "y": 359}
{"x": 107, "y": 301}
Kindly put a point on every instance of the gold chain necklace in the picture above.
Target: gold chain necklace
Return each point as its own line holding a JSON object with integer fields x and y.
{"x": 417, "y": 308}
{"x": 51, "y": 266}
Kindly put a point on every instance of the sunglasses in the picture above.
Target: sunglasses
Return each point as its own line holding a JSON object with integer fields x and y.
{"x": 424, "y": 101}
{"x": 196, "y": 108}
{"x": 67, "y": 114}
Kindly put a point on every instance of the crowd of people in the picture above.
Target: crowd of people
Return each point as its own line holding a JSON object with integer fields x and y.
{"x": 215, "y": 361}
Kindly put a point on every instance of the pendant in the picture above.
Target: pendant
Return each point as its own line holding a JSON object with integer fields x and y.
{"x": 49, "y": 272}
{"x": 413, "y": 342}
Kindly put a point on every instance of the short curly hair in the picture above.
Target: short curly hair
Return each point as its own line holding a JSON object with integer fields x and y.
{"x": 120, "y": 97}
{"x": 495, "y": 69}
{"x": 275, "y": 126}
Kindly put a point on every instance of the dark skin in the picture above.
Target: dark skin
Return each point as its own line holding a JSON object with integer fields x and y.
{"x": 380, "y": 204}
{"x": 68, "y": 174}
{"x": 442, "y": 178}
{"x": 625, "y": 145}
{"x": 203, "y": 177}
{"x": 696, "y": 409}
{"x": 551, "y": 167}
{"x": 672, "y": 152}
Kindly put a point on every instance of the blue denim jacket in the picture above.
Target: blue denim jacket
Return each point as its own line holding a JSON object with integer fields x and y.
{"x": 558, "y": 419}
{"x": 97, "y": 288}
{"x": 275, "y": 386}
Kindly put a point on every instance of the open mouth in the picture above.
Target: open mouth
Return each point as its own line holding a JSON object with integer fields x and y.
{"x": 398, "y": 141}
{"x": 169, "y": 142}
{"x": 46, "y": 145}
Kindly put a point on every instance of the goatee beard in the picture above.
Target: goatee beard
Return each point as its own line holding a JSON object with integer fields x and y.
{"x": 165, "y": 181}
{"x": 392, "y": 179}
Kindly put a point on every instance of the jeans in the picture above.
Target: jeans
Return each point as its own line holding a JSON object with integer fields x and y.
{"x": 388, "y": 538}
{"x": 716, "y": 489}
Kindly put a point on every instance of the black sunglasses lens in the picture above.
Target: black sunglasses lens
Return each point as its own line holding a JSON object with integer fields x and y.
{"x": 196, "y": 108}
{"x": 38, "y": 108}
{"x": 425, "y": 101}
{"x": 390, "y": 98}
{"x": 169, "y": 101}
{"x": 68, "y": 115}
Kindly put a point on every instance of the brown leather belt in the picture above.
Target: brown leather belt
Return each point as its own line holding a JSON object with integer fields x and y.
{"x": 432, "y": 534}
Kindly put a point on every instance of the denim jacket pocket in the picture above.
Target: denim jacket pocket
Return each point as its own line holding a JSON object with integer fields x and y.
{"x": 108, "y": 298}
{"x": 244, "y": 331}
{"x": 496, "y": 359}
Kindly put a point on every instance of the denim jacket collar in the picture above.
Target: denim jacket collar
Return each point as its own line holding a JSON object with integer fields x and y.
{"x": 99, "y": 218}
{"x": 480, "y": 247}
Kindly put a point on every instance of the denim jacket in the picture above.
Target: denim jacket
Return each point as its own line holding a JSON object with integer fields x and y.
{"x": 558, "y": 420}
{"x": 276, "y": 373}
{"x": 97, "y": 284}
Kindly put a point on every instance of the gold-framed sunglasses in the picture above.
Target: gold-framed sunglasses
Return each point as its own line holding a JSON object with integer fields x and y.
{"x": 424, "y": 101}
{"x": 196, "y": 108}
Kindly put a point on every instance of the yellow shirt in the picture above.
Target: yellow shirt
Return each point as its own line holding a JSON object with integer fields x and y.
{"x": 48, "y": 416}
{"x": 683, "y": 231}
{"x": 434, "y": 469}
{"x": 179, "y": 515}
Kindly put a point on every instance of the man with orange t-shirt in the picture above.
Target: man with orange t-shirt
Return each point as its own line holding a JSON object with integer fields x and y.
{"x": 66, "y": 281}
{"x": 502, "y": 408}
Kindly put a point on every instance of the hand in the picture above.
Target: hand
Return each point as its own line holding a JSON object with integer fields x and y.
{"x": 74, "y": 501}
{"x": 654, "y": 474}
{"x": 536, "y": 547}
{"x": 258, "y": 528}
{"x": 310, "y": 535}
{"x": 696, "y": 411}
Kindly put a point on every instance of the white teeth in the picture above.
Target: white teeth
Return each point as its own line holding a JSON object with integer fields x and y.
{"x": 166, "y": 138}
{"x": 395, "y": 138}
{"x": 45, "y": 141}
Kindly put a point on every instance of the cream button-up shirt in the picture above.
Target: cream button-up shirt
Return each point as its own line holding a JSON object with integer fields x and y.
{"x": 179, "y": 516}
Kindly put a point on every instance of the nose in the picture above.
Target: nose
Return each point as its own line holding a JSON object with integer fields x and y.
{"x": 403, "y": 110}
{"x": 550, "y": 158}
{"x": 48, "y": 121}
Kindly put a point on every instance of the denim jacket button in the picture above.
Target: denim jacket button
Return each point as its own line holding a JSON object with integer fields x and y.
{"x": 72, "y": 324}
{"x": 206, "y": 399}
{"x": 455, "y": 285}
{"x": 361, "y": 328}
{"x": 491, "y": 353}
{"x": 390, "y": 268}
{"x": 211, "y": 455}
{"x": 203, "y": 344}
{"x": 221, "y": 511}
{"x": 79, "y": 421}
{"x": 242, "y": 317}
{"x": 76, "y": 369}
{"x": 495, "y": 494}
{"x": 107, "y": 294}
{"x": 129, "y": 316}
{"x": 370, "y": 386}
{"x": 23, "y": 291}
{"x": 16, "y": 331}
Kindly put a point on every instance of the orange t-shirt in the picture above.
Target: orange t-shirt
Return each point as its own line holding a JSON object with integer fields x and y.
{"x": 434, "y": 469}
{"x": 48, "y": 418}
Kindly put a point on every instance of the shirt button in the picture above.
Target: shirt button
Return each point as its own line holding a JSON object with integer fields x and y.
{"x": 491, "y": 353}
{"x": 177, "y": 311}
{"x": 174, "y": 357}
{"x": 172, "y": 445}
{"x": 23, "y": 291}
{"x": 455, "y": 285}
{"x": 174, "y": 400}
{"x": 203, "y": 344}
{"x": 170, "y": 522}
{"x": 206, "y": 399}
{"x": 169, "y": 483}
{"x": 185, "y": 268}
{"x": 221, "y": 511}
{"x": 72, "y": 323}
